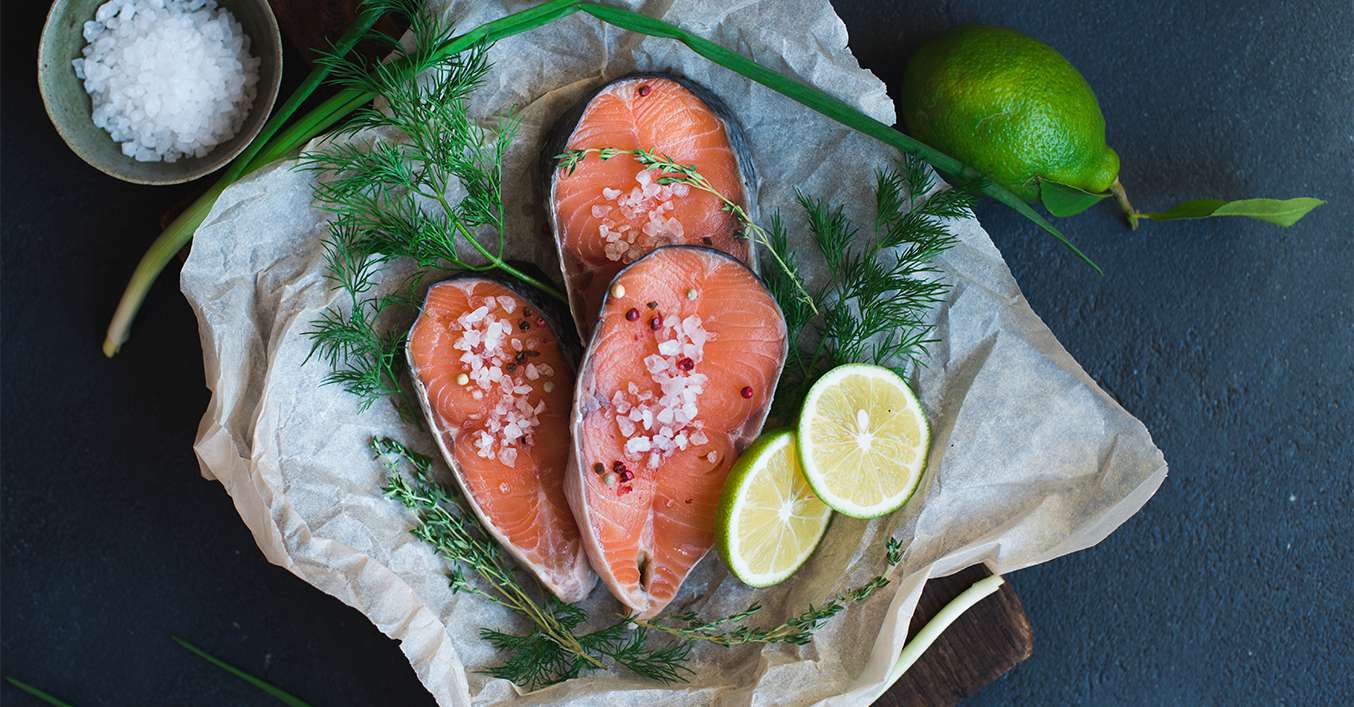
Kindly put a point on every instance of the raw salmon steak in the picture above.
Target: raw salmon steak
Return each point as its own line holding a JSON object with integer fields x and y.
{"x": 607, "y": 213}
{"x": 676, "y": 381}
{"x": 495, "y": 383}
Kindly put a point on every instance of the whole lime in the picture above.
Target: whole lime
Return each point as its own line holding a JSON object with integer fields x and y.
{"x": 1009, "y": 106}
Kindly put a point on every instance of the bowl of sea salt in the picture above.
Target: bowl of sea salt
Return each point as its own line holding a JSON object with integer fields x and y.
{"x": 159, "y": 91}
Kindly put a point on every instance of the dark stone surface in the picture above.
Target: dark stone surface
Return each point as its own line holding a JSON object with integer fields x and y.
{"x": 1233, "y": 341}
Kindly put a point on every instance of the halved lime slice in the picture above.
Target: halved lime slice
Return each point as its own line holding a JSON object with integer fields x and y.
{"x": 769, "y": 519}
{"x": 863, "y": 440}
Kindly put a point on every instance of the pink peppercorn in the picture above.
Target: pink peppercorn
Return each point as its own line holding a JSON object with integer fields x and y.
{"x": 632, "y": 314}
{"x": 656, "y": 323}
{"x": 644, "y": 90}
{"x": 687, "y": 364}
{"x": 746, "y": 391}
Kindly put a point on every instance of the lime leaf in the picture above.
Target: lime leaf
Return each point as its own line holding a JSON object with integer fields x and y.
{"x": 1062, "y": 200}
{"x": 1280, "y": 212}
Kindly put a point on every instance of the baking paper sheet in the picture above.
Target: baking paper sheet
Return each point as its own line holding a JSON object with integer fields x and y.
{"x": 1031, "y": 458}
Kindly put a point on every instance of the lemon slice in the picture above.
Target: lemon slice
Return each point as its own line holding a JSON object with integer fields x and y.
{"x": 863, "y": 440}
{"x": 769, "y": 519}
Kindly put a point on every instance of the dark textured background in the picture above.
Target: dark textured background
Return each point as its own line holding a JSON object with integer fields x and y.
{"x": 1231, "y": 340}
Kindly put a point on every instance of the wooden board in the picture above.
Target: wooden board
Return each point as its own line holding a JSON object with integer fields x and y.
{"x": 991, "y": 639}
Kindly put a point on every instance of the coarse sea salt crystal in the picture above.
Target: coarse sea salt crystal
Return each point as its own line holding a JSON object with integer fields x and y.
{"x": 637, "y": 445}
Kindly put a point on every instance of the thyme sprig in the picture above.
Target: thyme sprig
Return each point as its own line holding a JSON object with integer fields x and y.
{"x": 671, "y": 171}
{"x": 732, "y": 630}
{"x": 555, "y": 648}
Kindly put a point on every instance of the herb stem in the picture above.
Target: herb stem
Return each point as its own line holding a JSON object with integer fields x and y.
{"x": 171, "y": 241}
{"x": 368, "y": 17}
{"x": 495, "y": 259}
{"x": 1121, "y": 196}
{"x": 670, "y": 172}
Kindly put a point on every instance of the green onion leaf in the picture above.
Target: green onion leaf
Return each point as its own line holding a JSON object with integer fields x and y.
{"x": 40, "y": 694}
{"x": 277, "y": 693}
{"x": 1063, "y": 200}
{"x": 1280, "y": 212}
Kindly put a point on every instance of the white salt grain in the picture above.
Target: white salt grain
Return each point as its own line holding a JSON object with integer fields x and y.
{"x": 167, "y": 78}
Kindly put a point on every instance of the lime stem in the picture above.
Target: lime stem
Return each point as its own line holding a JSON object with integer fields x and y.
{"x": 1121, "y": 196}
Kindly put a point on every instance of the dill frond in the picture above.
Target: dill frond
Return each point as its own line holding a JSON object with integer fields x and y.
{"x": 875, "y": 307}
{"x": 395, "y": 189}
{"x": 389, "y": 198}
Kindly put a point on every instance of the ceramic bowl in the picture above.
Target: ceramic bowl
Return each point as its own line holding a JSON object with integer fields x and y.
{"x": 69, "y": 107}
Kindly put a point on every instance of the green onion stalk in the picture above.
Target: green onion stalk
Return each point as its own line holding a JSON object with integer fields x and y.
{"x": 274, "y": 142}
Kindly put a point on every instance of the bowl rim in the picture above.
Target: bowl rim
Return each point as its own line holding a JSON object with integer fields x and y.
{"x": 219, "y": 161}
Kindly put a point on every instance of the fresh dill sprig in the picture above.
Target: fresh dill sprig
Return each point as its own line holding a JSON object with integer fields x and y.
{"x": 389, "y": 198}
{"x": 881, "y": 292}
{"x": 733, "y": 630}
{"x": 363, "y": 355}
{"x": 394, "y": 191}
{"x": 672, "y": 172}
{"x": 784, "y": 286}
{"x": 874, "y": 308}
{"x": 555, "y": 648}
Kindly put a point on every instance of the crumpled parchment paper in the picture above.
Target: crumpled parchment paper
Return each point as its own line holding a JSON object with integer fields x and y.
{"x": 1031, "y": 459}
